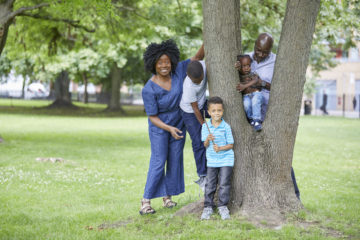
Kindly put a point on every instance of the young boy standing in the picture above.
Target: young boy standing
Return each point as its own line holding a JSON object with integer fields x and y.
{"x": 192, "y": 104}
{"x": 218, "y": 140}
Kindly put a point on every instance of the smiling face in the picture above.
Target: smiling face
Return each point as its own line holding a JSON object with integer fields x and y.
{"x": 163, "y": 66}
{"x": 245, "y": 65}
{"x": 216, "y": 111}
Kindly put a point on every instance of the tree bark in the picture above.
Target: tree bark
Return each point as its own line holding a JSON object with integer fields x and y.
{"x": 62, "y": 94}
{"x": 261, "y": 178}
{"x": 85, "y": 81}
{"x": 23, "y": 86}
{"x": 114, "y": 104}
{"x": 6, "y": 8}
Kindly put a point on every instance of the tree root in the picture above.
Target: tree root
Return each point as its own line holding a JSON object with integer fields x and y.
{"x": 191, "y": 208}
{"x": 261, "y": 217}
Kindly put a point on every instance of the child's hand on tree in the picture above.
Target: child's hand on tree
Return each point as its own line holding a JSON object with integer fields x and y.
{"x": 238, "y": 65}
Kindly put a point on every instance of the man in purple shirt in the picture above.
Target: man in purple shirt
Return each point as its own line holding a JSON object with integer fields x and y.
{"x": 263, "y": 65}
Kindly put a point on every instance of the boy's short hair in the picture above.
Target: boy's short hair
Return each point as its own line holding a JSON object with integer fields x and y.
{"x": 195, "y": 69}
{"x": 215, "y": 100}
{"x": 241, "y": 56}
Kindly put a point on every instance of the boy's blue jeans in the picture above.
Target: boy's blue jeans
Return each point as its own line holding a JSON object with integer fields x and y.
{"x": 215, "y": 175}
{"x": 194, "y": 129}
{"x": 252, "y": 105}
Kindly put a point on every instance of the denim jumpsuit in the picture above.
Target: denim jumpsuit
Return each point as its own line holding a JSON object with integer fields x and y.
{"x": 166, "y": 170}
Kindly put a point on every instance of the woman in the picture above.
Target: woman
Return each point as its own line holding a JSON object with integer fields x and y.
{"x": 161, "y": 96}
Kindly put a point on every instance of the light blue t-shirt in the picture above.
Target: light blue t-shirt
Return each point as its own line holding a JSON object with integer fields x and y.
{"x": 223, "y": 136}
{"x": 193, "y": 93}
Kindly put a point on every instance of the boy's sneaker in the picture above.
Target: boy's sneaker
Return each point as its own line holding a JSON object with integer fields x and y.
{"x": 224, "y": 212}
{"x": 207, "y": 212}
{"x": 201, "y": 181}
{"x": 257, "y": 126}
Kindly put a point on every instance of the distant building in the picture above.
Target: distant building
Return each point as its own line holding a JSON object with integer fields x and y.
{"x": 342, "y": 83}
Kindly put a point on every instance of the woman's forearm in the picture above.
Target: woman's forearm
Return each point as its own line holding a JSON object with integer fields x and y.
{"x": 199, "y": 55}
{"x": 160, "y": 124}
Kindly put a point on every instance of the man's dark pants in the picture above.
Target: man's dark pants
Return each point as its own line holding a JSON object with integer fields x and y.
{"x": 297, "y": 191}
{"x": 223, "y": 175}
{"x": 194, "y": 129}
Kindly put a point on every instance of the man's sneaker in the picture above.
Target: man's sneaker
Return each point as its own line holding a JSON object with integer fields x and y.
{"x": 201, "y": 181}
{"x": 224, "y": 212}
{"x": 252, "y": 122}
{"x": 257, "y": 126}
{"x": 207, "y": 212}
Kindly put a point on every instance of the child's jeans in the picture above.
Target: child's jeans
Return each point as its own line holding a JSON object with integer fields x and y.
{"x": 252, "y": 105}
{"x": 224, "y": 176}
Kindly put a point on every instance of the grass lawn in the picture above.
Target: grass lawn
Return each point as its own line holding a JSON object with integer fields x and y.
{"x": 104, "y": 173}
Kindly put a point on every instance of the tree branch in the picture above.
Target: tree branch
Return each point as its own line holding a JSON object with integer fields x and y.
{"x": 179, "y": 5}
{"x": 74, "y": 23}
{"x": 10, "y": 2}
{"x": 126, "y": 8}
{"x": 24, "y": 9}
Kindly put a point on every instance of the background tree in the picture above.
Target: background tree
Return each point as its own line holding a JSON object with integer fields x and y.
{"x": 261, "y": 180}
{"x": 55, "y": 11}
{"x": 48, "y": 29}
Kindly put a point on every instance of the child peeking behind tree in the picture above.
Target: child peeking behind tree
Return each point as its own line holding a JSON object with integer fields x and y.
{"x": 251, "y": 85}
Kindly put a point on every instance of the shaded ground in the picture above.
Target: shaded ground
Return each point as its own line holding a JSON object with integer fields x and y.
{"x": 41, "y": 107}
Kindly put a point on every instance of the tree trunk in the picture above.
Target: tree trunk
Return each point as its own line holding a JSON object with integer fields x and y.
{"x": 85, "y": 81}
{"x": 114, "y": 104}
{"x": 6, "y": 8}
{"x": 23, "y": 87}
{"x": 261, "y": 179}
{"x": 62, "y": 94}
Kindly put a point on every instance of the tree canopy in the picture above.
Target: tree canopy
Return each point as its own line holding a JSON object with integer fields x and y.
{"x": 47, "y": 37}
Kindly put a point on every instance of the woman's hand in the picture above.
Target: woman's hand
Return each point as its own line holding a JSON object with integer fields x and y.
{"x": 160, "y": 124}
{"x": 174, "y": 133}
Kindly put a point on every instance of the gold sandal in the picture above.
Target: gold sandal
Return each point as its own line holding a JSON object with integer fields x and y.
{"x": 168, "y": 203}
{"x": 146, "y": 207}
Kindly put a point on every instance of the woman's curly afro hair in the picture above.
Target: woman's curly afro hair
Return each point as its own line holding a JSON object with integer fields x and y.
{"x": 154, "y": 51}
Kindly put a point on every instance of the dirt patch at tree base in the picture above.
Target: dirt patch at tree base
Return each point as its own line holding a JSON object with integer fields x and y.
{"x": 266, "y": 218}
{"x": 192, "y": 208}
{"x": 118, "y": 224}
{"x": 327, "y": 231}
